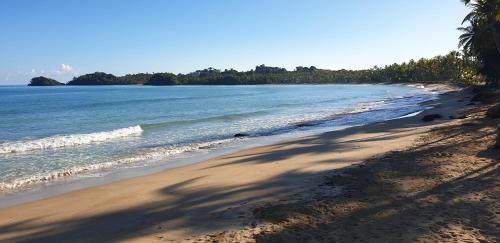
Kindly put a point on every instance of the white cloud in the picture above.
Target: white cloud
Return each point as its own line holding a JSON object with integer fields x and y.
{"x": 65, "y": 68}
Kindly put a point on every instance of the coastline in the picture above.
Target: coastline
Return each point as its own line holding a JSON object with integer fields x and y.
{"x": 183, "y": 201}
{"x": 442, "y": 188}
{"x": 37, "y": 186}
{"x": 75, "y": 183}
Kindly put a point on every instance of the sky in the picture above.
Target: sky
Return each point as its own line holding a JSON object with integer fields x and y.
{"x": 66, "y": 38}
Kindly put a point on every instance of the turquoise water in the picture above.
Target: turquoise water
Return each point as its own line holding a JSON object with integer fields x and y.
{"x": 49, "y": 133}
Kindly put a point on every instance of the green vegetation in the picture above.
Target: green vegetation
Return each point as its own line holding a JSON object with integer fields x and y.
{"x": 43, "y": 81}
{"x": 97, "y": 78}
{"x": 451, "y": 67}
{"x": 481, "y": 38}
{"x": 162, "y": 79}
{"x": 139, "y": 78}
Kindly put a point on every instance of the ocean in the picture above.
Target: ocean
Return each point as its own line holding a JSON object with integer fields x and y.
{"x": 51, "y": 134}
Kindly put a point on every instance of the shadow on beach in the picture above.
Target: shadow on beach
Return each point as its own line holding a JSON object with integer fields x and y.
{"x": 444, "y": 188}
{"x": 401, "y": 196}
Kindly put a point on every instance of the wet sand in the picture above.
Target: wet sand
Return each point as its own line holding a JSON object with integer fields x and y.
{"x": 217, "y": 195}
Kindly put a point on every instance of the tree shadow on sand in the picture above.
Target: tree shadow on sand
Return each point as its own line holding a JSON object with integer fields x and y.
{"x": 219, "y": 208}
{"x": 445, "y": 188}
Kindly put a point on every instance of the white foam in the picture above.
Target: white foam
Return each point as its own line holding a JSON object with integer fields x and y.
{"x": 147, "y": 155}
{"x": 70, "y": 140}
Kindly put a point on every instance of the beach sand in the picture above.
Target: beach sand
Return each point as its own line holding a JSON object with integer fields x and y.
{"x": 231, "y": 193}
{"x": 443, "y": 188}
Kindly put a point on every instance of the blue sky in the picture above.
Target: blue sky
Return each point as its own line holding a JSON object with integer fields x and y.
{"x": 64, "y": 38}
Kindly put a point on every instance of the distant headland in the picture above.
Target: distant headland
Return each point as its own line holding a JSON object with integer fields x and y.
{"x": 43, "y": 81}
{"x": 451, "y": 67}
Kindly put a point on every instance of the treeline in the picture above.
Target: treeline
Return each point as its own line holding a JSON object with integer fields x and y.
{"x": 451, "y": 67}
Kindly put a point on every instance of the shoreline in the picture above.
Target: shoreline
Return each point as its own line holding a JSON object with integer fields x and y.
{"x": 444, "y": 187}
{"x": 43, "y": 188}
{"x": 65, "y": 185}
{"x": 242, "y": 179}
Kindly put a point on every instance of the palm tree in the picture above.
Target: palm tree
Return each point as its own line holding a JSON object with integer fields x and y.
{"x": 468, "y": 38}
{"x": 485, "y": 16}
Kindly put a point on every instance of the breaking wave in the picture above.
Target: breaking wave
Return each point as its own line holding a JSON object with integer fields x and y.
{"x": 146, "y": 155}
{"x": 69, "y": 140}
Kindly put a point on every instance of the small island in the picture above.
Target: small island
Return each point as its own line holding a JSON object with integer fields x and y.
{"x": 43, "y": 81}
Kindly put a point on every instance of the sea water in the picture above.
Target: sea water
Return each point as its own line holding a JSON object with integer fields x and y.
{"x": 51, "y": 133}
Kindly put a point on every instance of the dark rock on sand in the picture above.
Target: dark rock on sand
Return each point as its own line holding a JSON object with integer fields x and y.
{"x": 305, "y": 125}
{"x": 431, "y": 117}
{"x": 240, "y": 135}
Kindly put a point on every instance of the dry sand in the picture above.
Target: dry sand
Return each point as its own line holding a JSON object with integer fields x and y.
{"x": 444, "y": 188}
{"x": 232, "y": 193}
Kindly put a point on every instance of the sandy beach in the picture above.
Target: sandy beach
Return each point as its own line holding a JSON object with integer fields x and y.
{"x": 250, "y": 121}
{"x": 221, "y": 195}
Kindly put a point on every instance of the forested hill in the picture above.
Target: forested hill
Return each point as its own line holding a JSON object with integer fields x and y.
{"x": 452, "y": 66}
{"x": 43, "y": 81}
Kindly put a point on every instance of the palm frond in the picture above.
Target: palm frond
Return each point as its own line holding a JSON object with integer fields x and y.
{"x": 468, "y": 17}
{"x": 466, "y": 2}
{"x": 467, "y": 29}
